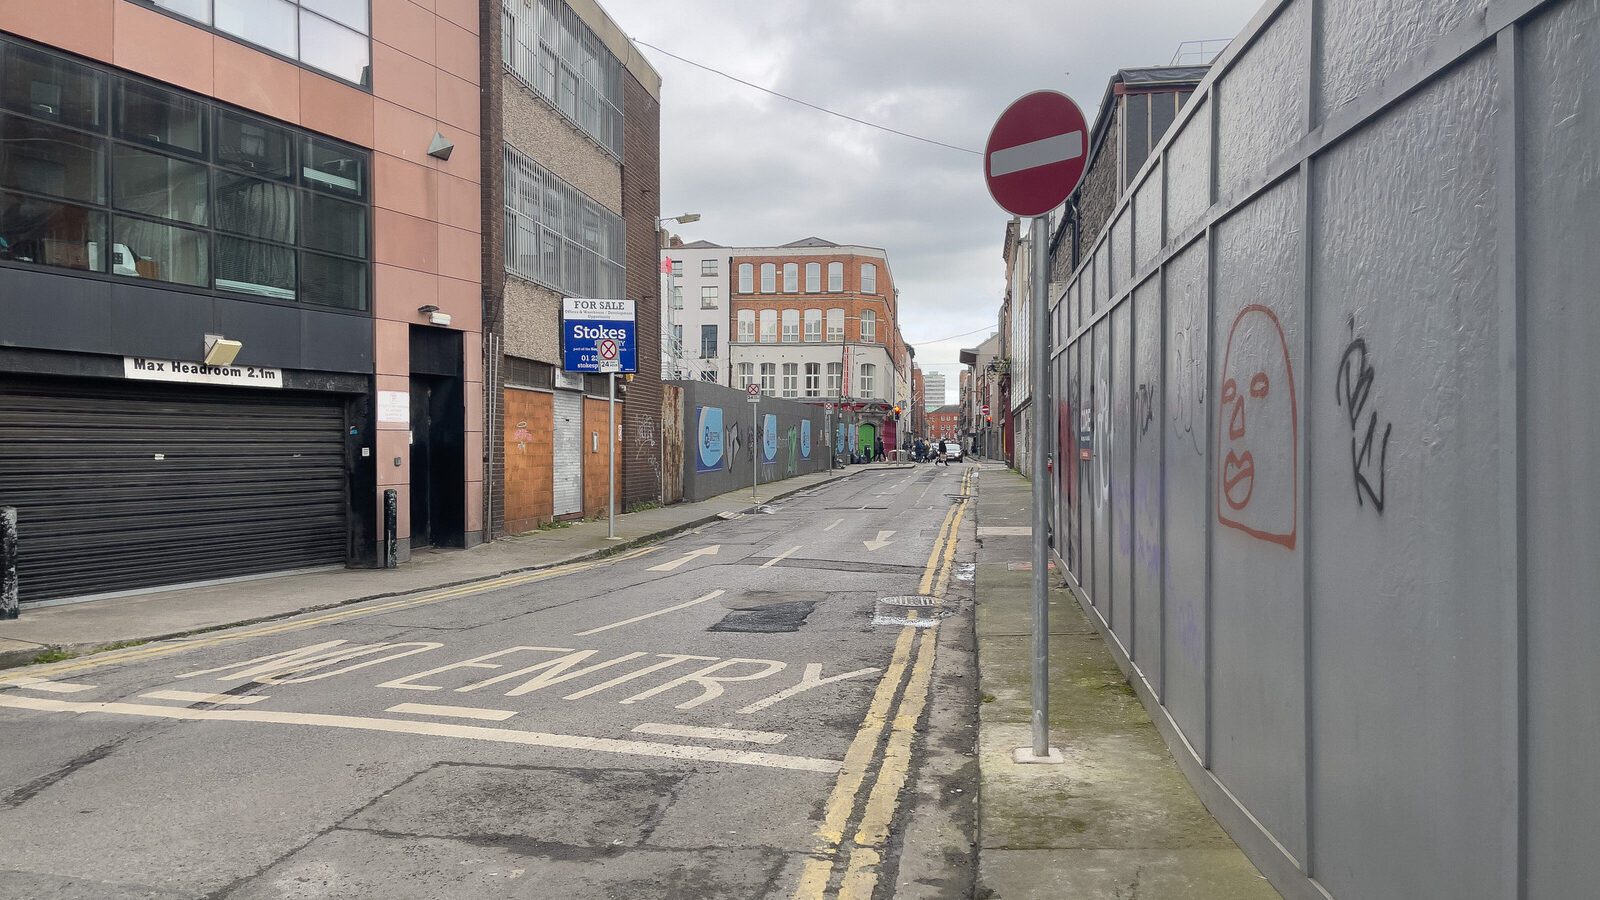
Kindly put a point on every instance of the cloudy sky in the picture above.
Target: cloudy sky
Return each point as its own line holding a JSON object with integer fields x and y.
{"x": 763, "y": 171}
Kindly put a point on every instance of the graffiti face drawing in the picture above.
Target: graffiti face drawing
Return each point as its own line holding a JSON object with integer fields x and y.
{"x": 1257, "y": 431}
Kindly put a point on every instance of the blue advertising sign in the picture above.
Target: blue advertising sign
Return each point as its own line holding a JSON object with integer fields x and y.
{"x": 708, "y": 456}
{"x": 598, "y": 336}
{"x": 769, "y": 438}
{"x": 838, "y": 439}
{"x": 805, "y": 438}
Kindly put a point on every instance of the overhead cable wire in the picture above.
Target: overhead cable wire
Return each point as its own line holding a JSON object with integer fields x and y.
{"x": 821, "y": 109}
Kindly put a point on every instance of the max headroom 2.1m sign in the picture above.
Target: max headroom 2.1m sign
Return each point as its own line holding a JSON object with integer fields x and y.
{"x": 143, "y": 368}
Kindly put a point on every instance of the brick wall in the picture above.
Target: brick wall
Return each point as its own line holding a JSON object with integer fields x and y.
{"x": 529, "y": 445}
{"x": 641, "y": 208}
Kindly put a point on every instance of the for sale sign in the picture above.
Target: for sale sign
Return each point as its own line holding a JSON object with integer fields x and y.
{"x": 598, "y": 336}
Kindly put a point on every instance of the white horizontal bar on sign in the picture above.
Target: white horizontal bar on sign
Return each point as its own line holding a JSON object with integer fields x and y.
{"x": 1034, "y": 154}
{"x": 714, "y": 734}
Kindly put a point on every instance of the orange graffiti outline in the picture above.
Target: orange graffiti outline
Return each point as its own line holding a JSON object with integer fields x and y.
{"x": 1287, "y": 540}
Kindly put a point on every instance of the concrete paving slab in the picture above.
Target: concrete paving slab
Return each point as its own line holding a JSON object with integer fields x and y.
{"x": 1145, "y": 874}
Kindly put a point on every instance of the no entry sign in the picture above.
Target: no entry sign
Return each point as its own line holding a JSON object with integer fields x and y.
{"x": 1036, "y": 153}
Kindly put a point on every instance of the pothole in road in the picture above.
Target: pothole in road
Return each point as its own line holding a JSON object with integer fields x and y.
{"x": 766, "y": 616}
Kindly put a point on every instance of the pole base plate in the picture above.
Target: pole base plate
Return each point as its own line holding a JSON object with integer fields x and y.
{"x": 1023, "y": 756}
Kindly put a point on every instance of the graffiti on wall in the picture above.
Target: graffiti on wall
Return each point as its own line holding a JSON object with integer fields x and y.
{"x": 791, "y": 465}
{"x": 1257, "y": 484}
{"x": 1353, "y": 392}
{"x": 1188, "y": 409}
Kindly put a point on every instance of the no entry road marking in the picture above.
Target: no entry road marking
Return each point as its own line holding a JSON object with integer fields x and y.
{"x": 660, "y": 612}
{"x": 435, "y": 729}
{"x": 712, "y": 734}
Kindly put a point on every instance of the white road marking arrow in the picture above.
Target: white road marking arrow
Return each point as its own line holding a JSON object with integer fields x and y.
{"x": 881, "y": 542}
{"x": 673, "y": 564}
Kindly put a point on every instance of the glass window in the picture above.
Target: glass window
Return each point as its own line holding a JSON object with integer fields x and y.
{"x": 333, "y": 225}
{"x": 50, "y": 87}
{"x": 335, "y": 49}
{"x": 198, "y": 10}
{"x": 791, "y": 277}
{"x": 249, "y": 267}
{"x": 769, "y": 326}
{"x": 813, "y": 278}
{"x": 677, "y": 267}
{"x": 835, "y": 373}
{"x": 747, "y": 325}
{"x": 813, "y": 379}
{"x": 869, "y": 378}
{"x": 551, "y": 50}
{"x": 813, "y": 325}
{"x": 677, "y": 297}
{"x": 769, "y": 378}
{"x": 260, "y": 209}
{"x": 159, "y": 252}
{"x": 708, "y": 342}
{"x": 747, "y": 375}
{"x": 329, "y": 281}
{"x": 346, "y": 12}
{"x": 708, "y": 267}
{"x": 869, "y": 278}
{"x": 160, "y": 197}
{"x": 791, "y": 379}
{"x": 51, "y": 234}
{"x": 835, "y": 276}
{"x": 149, "y": 115}
{"x": 791, "y": 326}
{"x": 709, "y": 296}
{"x": 769, "y": 278}
{"x": 161, "y": 186}
{"x": 709, "y": 375}
{"x": 869, "y": 325}
{"x": 746, "y": 274}
{"x": 252, "y": 145}
{"x": 265, "y": 23}
{"x": 835, "y": 324}
{"x": 45, "y": 159}
{"x": 333, "y": 169}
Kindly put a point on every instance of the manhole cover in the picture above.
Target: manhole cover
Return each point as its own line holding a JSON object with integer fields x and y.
{"x": 908, "y": 600}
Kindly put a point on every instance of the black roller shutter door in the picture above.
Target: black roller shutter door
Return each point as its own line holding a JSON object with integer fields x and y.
{"x": 122, "y": 486}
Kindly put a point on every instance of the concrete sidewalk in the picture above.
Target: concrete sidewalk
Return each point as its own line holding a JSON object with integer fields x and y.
{"x": 1117, "y": 819}
{"x": 80, "y": 627}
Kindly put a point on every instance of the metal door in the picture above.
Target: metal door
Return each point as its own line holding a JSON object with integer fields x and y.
{"x": 121, "y": 486}
{"x": 568, "y": 453}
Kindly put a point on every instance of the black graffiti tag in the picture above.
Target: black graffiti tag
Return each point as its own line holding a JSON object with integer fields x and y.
{"x": 1352, "y": 391}
{"x": 1144, "y": 407}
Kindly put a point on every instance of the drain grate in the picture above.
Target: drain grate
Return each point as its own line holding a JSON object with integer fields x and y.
{"x": 909, "y": 600}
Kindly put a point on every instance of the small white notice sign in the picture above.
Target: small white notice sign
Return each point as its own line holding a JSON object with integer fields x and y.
{"x": 144, "y": 368}
{"x": 394, "y": 406}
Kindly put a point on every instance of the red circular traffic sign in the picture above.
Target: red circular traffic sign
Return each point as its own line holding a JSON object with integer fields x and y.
{"x": 608, "y": 349}
{"x": 1036, "y": 153}
{"x": 753, "y": 389}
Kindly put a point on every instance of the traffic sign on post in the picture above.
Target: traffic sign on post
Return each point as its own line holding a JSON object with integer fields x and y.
{"x": 1036, "y": 153}
{"x": 754, "y": 390}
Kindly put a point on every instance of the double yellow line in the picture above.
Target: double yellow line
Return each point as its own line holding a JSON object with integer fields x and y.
{"x": 865, "y": 849}
{"x": 355, "y": 611}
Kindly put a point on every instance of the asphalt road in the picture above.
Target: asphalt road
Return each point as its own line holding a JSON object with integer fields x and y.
{"x": 731, "y": 713}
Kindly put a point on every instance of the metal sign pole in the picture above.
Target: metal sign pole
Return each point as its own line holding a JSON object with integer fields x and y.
{"x": 611, "y": 457}
{"x": 756, "y": 438}
{"x": 1039, "y": 377}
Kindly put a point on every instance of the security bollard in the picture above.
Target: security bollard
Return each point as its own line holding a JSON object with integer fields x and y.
{"x": 9, "y": 606}
{"x": 391, "y": 529}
